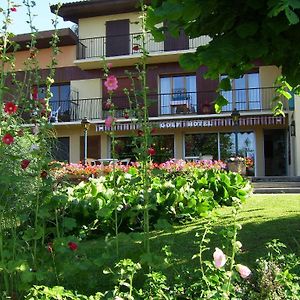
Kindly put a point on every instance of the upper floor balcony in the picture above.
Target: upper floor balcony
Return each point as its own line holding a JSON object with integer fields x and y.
{"x": 177, "y": 104}
{"x": 125, "y": 50}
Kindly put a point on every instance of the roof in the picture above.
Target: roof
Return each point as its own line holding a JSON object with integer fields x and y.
{"x": 66, "y": 38}
{"x": 90, "y": 8}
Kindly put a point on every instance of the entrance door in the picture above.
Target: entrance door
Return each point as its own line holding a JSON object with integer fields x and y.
{"x": 117, "y": 38}
{"x": 275, "y": 153}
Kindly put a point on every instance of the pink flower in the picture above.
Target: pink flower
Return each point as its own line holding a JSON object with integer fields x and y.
{"x": 10, "y": 108}
{"x": 13, "y": 9}
{"x": 109, "y": 65}
{"x": 72, "y": 246}
{"x": 109, "y": 121}
{"x": 111, "y": 83}
{"x": 8, "y": 139}
{"x": 219, "y": 258}
{"x": 243, "y": 271}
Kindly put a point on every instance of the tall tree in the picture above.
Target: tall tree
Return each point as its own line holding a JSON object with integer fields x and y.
{"x": 242, "y": 33}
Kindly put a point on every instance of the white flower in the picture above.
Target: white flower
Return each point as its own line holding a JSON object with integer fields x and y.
{"x": 34, "y": 147}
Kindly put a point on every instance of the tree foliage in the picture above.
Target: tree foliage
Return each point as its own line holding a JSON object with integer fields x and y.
{"x": 243, "y": 33}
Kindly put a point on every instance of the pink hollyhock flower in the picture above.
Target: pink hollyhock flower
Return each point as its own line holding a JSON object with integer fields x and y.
{"x": 111, "y": 83}
{"x": 72, "y": 246}
{"x": 25, "y": 163}
{"x": 243, "y": 271}
{"x": 8, "y": 139}
{"x": 109, "y": 121}
{"x": 108, "y": 105}
{"x": 13, "y": 9}
{"x": 10, "y": 108}
{"x": 219, "y": 258}
{"x": 109, "y": 65}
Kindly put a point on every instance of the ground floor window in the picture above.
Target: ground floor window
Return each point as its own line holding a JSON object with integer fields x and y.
{"x": 163, "y": 144}
{"x": 60, "y": 149}
{"x": 221, "y": 146}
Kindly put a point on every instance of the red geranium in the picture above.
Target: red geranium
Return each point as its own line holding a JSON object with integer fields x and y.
{"x": 136, "y": 48}
{"x": 151, "y": 151}
{"x": 44, "y": 174}
{"x": 72, "y": 246}
{"x": 8, "y": 139}
{"x": 10, "y": 108}
{"x": 25, "y": 163}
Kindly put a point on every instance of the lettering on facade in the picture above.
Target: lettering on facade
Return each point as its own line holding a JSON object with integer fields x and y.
{"x": 184, "y": 124}
{"x": 244, "y": 121}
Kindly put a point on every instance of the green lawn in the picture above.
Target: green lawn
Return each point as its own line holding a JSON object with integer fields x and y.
{"x": 263, "y": 217}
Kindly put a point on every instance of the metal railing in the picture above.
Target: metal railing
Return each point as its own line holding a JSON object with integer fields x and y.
{"x": 186, "y": 103}
{"x": 116, "y": 45}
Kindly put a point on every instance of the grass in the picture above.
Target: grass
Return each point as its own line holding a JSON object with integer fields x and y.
{"x": 263, "y": 218}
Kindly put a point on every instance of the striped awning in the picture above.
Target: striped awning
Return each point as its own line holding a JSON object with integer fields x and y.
{"x": 198, "y": 123}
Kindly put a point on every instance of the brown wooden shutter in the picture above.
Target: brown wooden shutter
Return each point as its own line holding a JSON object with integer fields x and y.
{"x": 117, "y": 38}
{"x": 180, "y": 43}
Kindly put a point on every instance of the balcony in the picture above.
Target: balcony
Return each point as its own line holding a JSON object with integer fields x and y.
{"x": 124, "y": 50}
{"x": 180, "y": 103}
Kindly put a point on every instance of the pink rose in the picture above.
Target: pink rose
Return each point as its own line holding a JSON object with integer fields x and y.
{"x": 219, "y": 258}
{"x": 109, "y": 121}
{"x": 111, "y": 83}
{"x": 243, "y": 271}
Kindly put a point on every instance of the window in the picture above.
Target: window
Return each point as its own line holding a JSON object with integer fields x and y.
{"x": 178, "y": 93}
{"x": 163, "y": 145}
{"x": 221, "y": 146}
{"x": 200, "y": 144}
{"x": 245, "y": 93}
{"x": 60, "y": 100}
{"x": 60, "y": 149}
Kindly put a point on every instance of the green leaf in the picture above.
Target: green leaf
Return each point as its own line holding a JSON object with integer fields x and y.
{"x": 225, "y": 84}
{"x": 247, "y": 29}
{"x": 189, "y": 61}
{"x": 69, "y": 223}
{"x": 220, "y": 102}
{"x": 292, "y": 16}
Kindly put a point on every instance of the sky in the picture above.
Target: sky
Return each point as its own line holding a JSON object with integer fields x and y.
{"x": 42, "y": 18}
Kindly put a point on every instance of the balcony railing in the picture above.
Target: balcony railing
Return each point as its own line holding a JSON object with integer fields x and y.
{"x": 183, "y": 103}
{"x": 109, "y": 46}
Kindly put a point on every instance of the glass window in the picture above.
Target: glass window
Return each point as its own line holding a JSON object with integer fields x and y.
{"x": 163, "y": 144}
{"x": 245, "y": 93}
{"x": 221, "y": 145}
{"x": 197, "y": 145}
{"x": 179, "y": 90}
{"x": 60, "y": 97}
{"x": 60, "y": 148}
